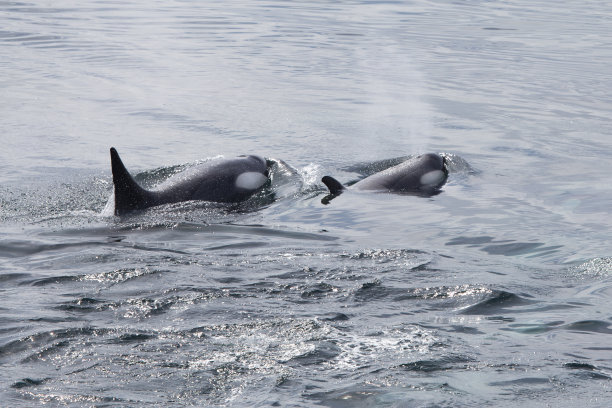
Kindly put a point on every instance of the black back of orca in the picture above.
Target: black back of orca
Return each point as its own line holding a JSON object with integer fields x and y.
{"x": 424, "y": 174}
{"x": 223, "y": 181}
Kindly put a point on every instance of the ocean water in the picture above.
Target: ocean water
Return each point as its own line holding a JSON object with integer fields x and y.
{"x": 495, "y": 292}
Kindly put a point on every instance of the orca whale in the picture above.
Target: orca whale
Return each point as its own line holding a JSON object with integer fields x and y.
{"x": 423, "y": 174}
{"x": 220, "y": 180}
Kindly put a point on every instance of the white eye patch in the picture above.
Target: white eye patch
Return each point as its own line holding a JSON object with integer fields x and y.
{"x": 432, "y": 177}
{"x": 250, "y": 180}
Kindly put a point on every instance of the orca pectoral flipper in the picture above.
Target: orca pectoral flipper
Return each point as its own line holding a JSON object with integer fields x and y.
{"x": 129, "y": 195}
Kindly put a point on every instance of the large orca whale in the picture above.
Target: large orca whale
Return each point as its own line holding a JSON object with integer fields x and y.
{"x": 219, "y": 180}
{"x": 423, "y": 174}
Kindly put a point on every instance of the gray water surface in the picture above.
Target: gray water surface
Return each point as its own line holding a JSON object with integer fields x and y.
{"x": 495, "y": 292}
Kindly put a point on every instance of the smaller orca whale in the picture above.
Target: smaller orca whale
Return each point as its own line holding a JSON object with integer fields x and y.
{"x": 220, "y": 180}
{"x": 423, "y": 174}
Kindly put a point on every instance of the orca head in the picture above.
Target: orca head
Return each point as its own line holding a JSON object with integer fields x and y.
{"x": 254, "y": 179}
{"x": 258, "y": 158}
{"x": 437, "y": 171}
{"x": 259, "y": 161}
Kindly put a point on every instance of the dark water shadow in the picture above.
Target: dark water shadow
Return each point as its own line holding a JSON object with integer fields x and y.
{"x": 492, "y": 246}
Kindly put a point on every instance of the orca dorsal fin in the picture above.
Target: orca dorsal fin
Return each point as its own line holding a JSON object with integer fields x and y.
{"x": 334, "y": 186}
{"x": 129, "y": 196}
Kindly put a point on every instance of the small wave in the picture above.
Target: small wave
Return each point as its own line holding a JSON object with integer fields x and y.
{"x": 240, "y": 245}
{"x": 36, "y": 40}
{"x": 534, "y": 328}
{"x": 53, "y": 280}
{"x": 318, "y": 290}
{"x": 46, "y": 351}
{"x": 415, "y": 260}
{"x": 384, "y": 255}
{"x": 113, "y": 277}
{"x": 589, "y": 371}
{"x": 323, "y": 351}
{"x": 593, "y": 326}
{"x": 506, "y": 247}
{"x": 42, "y": 339}
{"x": 256, "y": 230}
{"x": 16, "y": 249}
{"x": 372, "y": 291}
{"x": 141, "y": 308}
{"x": 28, "y": 382}
{"x": 6, "y": 278}
{"x": 583, "y": 326}
{"x": 12, "y": 35}
{"x": 335, "y": 317}
{"x": 443, "y": 292}
{"x": 521, "y": 382}
{"x": 452, "y": 362}
{"x": 129, "y": 338}
{"x": 497, "y": 301}
{"x": 447, "y": 297}
{"x": 86, "y": 304}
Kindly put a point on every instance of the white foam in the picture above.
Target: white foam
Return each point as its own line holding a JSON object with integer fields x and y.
{"x": 250, "y": 180}
{"x": 109, "y": 208}
{"x": 432, "y": 177}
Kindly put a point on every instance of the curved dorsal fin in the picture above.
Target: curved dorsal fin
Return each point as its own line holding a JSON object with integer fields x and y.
{"x": 334, "y": 186}
{"x": 129, "y": 196}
